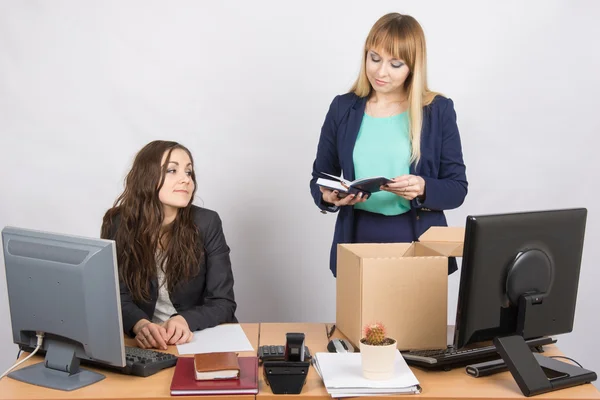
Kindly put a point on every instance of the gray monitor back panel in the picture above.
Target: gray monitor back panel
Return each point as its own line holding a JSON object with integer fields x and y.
{"x": 67, "y": 287}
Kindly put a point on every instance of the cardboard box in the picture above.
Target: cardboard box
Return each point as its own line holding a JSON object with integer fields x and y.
{"x": 402, "y": 285}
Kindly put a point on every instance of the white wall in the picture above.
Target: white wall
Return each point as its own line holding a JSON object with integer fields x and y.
{"x": 84, "y": 85}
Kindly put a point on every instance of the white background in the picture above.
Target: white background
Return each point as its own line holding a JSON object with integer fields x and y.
{"x": 246, "y": 85}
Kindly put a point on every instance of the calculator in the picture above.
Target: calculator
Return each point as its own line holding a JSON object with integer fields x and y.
{"x": 277, "y": 353}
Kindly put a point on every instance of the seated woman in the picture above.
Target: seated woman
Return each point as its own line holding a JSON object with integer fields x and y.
{"x": 174, "y": 267}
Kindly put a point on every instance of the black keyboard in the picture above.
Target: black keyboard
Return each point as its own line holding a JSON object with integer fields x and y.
{"x": 450, "y": 358}
{"x": 144, "y": 362}
{"x": 138, "y": 362}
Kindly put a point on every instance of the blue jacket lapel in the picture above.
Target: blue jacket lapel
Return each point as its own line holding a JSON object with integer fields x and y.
{"x": 355, "y": 118}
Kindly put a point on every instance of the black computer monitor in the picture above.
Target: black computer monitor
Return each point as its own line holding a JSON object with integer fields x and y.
{"x": 65, "y": 287}
{"x": 519, "y": 279}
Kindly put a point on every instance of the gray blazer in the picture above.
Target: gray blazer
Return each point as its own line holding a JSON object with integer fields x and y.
{"x": 206, "y": 300}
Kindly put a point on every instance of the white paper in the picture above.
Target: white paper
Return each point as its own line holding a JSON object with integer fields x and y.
{"x": 378, "y": 394}
{"x": 338, "y": 178}
{"x": 342, "y": 375}
{"x": 222, "y": 338}
{"x": 334, "y": 185}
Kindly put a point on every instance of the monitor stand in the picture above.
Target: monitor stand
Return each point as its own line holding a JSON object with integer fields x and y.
{"x": 535, "y": 373}
{"x": 60, "y": 370}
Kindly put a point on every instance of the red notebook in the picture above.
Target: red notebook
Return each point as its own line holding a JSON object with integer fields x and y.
{"x": 185, "y": 383}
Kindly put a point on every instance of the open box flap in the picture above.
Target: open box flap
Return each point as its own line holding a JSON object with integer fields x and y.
{"x": 444, "y": 240}
{"x": 376, "y": 250}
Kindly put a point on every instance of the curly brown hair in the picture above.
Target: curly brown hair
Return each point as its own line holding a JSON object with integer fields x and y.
{"x": 137, "y": 215}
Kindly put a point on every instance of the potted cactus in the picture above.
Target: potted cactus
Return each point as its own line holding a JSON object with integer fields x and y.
{"x": 378, "y": 353}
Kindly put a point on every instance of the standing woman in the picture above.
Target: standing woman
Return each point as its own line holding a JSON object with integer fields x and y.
{"x": 391, "y": 124}
{"x": 174, "y": 267}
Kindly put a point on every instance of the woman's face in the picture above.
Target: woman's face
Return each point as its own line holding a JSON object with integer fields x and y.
{"x": 385, "y": 73}
{"x": 176, "y": 191}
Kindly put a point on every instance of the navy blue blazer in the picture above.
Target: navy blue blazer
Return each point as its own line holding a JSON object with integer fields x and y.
{"x": 207, "y": 299}
{"x": 441, "y": 165}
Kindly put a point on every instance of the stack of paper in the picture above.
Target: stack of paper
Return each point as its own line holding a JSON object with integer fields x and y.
{"x": 342, "y": 376}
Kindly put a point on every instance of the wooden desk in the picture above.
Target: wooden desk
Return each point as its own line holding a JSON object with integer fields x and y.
{"x": 115, "y": 385}
{"x": 455, "y": 384}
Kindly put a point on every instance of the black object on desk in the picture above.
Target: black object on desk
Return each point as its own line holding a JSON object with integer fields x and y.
{"x": 277, "y": 353}
{"x": 138, "y": 362}
{"x": 146, "y": 362}
{"x": 330, "y": 332}
{"x": 287, "y": 376}
{"x": 451, "y": 358}
{"x": 536, "y": 374}
{"x": 486, "y": 368}
{"x": 337, "y": 345}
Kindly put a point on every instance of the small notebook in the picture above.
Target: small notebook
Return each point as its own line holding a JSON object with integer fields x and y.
{"x": 223, "y": 365}
{"x": 365, "y": 185}
{"x": 184, "y": 381}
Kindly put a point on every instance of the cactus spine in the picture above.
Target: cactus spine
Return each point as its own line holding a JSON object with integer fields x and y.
{"x": 375, "y": 334}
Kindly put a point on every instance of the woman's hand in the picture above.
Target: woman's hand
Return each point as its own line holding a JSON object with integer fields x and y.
{"x": 406, "y": 186}
{"x": 331, "y": 196}
{"x": 178, "y": 330}
{"x": 149, "y": 335}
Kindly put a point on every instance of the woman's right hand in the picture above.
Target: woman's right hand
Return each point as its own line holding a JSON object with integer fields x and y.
{"x": 331, "y": 196}
{"x": 149, "y": 335}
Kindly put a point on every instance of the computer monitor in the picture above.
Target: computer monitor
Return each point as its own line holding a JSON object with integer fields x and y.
{"x": 519, "y": 280}
{"x": 67, "y": 288}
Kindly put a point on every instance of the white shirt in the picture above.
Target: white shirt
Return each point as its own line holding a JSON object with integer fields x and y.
{"x": 164, "y": 307}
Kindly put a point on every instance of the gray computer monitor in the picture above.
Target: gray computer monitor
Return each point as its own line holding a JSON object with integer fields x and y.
{"x": 66, "y": 287}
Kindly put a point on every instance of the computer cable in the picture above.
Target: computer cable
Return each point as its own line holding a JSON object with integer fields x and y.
{"x": 330, "y": 332}
{"x": 40, "y": 340}
{"x": 567, "y": 358}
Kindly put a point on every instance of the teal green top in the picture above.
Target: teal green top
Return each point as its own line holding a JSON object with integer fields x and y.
{"x": 383, "y": 149}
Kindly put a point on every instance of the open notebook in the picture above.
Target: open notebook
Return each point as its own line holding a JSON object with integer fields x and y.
{"x": 342, "y": 376}
{"x": 365, "y": 185}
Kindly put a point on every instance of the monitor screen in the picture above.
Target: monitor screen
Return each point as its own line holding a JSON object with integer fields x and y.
{"x": 520, "y": 275}
{"x": 66, "y": 287}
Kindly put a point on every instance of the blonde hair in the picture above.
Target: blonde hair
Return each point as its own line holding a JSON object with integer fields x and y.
{"x": 402, "y": 37}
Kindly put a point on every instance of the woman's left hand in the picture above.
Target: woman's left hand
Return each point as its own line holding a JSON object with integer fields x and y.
{"x": 178, "y": 330}
{"x": 406, "y": 186}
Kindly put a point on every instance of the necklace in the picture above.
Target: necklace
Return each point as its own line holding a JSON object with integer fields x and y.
{"x": 369, "y": 109}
